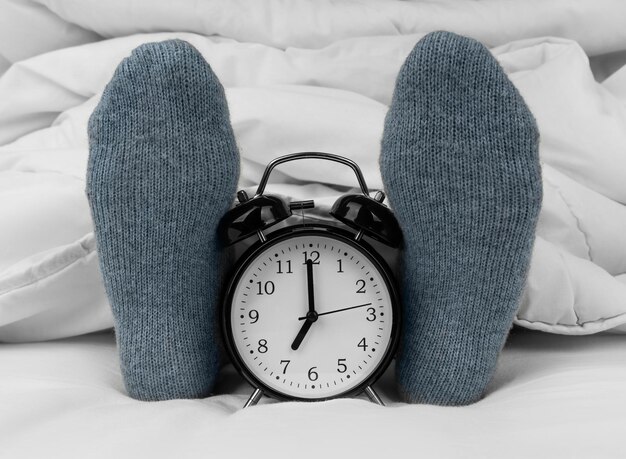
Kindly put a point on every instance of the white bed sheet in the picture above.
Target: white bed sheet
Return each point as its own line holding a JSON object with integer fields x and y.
{"x": 552, "y": 396}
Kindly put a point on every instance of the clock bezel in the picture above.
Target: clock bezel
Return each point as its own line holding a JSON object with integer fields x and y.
{"x": 303, "y": 230}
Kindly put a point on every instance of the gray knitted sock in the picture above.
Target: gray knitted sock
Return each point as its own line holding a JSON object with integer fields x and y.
{"x": 460, "y": 164}
{"x": 163, "y": 168}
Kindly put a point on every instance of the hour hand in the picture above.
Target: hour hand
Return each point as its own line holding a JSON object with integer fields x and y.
{"x": 302, "y": 333}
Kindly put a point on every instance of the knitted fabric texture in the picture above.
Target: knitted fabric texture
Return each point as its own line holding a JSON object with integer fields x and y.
{"x": 162, "y": 170}
{"x": 460, "y": 165}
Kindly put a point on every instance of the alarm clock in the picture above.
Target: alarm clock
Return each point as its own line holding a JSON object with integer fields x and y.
{"x": 311, "y": 310}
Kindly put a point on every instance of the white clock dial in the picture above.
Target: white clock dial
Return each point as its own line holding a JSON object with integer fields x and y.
{"x": 311, "y": 329}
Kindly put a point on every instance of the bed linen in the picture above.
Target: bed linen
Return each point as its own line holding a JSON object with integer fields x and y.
{"x": 304, "y": 87}
{"x": 552, "y": 397}
{"x": 318, "y": 75}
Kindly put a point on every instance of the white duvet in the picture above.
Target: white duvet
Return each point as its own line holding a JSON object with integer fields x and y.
{"x": 308, "y": 76}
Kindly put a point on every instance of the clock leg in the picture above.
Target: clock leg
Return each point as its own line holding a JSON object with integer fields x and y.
{"x": 373, "y": 396}
{"x": 254, "y": 398}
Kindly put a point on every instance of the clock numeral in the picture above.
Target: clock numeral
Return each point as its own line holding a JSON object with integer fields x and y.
{"x": 313, "y": 374}
{"x": 372, "y": 314}
{"x": 268, "y": 288}
{"x": 263, "y": 346}
{"x": 280, "y": 267}
{"x": 315, "y": 257}
{"x": 286, "y": 363}
{"x": 361, "y": 284}
{"x": 340, "y": 270}
{"x": 341, "y": 367}
{"x": 254, "y": 316}
{"x": 363, "y": 344}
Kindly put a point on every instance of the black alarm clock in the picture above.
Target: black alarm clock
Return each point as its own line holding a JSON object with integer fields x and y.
{"x": 311, "y": 311}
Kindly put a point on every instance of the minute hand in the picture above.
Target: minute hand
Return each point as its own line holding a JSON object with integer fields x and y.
{"x": 338, "y": 310}
{"x": 310, "y": 288}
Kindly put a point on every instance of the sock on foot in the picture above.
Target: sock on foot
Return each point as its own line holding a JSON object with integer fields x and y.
{"x": 460, "y": 165}
{"x": 163, "y": 168}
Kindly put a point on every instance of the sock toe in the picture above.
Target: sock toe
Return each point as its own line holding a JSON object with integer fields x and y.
{"x": 162, "y": 170}
{"x": 460, "y": 164}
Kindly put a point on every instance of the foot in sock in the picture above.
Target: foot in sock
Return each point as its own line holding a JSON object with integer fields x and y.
{"x": 163, "y": 167}
{"x": 460, "y": 165}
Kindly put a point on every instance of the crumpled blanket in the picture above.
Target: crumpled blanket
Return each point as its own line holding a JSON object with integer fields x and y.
{"x": 309, "y": 76}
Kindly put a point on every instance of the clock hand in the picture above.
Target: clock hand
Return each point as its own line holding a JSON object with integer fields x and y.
{"x": 309, "y": 283}
{"x": 311, "y": 315}
{"x": 310, "y": 318}
{"x": 335, "y": 310}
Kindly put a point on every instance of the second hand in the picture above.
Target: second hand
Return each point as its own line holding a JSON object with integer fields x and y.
{"x": 338, "y": 310}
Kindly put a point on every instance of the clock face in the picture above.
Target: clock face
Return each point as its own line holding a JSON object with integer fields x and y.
{"x": 310, "y": 315}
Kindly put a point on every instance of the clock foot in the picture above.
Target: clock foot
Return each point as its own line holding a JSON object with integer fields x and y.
{"x": 254, "y": 398}
{"x": 373, "y": 396}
